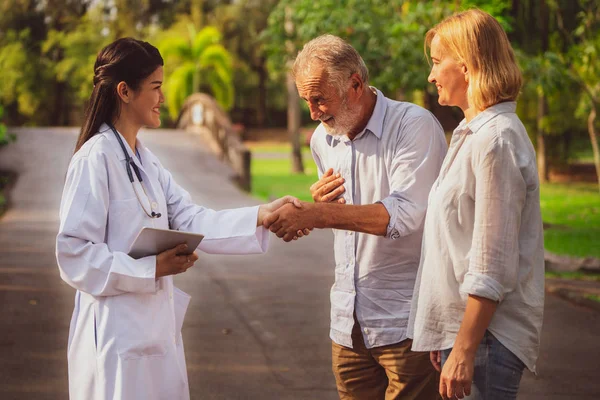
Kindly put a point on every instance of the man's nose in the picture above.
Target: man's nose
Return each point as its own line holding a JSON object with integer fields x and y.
{"x": 315, "y": 113}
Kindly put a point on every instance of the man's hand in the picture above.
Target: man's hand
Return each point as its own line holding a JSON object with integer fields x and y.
{"x": 436, "y": 360}
{"x": 265, "y": 210}
{"x": 328, "y": 188}
{"x": 289, "y": 220}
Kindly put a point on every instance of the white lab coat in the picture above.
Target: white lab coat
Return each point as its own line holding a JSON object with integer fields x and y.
{"x": 125, "y": 334}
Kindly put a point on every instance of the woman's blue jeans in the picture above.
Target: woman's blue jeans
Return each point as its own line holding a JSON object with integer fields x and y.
{"x": 497, "y": 371}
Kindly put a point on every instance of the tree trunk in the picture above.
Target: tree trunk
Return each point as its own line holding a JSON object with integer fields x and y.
{"x": 59, "y": 115}
{"x": 594, "y": 140}
{"x": 542, "y": 161}
{"x": 261, "y": 107}
{"x": 294, "y": 125}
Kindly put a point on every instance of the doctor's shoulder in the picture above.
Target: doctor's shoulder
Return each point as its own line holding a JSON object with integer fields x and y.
{"x": 96, "y": 151}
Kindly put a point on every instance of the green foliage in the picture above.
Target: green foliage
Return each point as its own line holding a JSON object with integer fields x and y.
{"x": 195, "y": 61}
{"x": 5, "y": 138}
{"x": 22, "y": 73}
{"x": 585, "y": 54}
{"x": 71, "y": 54}
{"x": 387, "y": 33}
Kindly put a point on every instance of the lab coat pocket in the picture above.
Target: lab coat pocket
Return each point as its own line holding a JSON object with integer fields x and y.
{"x": 142, "y": 325}
{"x": 181, "y": 302}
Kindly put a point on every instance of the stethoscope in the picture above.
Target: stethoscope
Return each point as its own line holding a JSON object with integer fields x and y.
{"x": 129, "y": 164}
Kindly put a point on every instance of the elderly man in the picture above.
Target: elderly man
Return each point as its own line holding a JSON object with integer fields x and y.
{"x": 377, "y": 160}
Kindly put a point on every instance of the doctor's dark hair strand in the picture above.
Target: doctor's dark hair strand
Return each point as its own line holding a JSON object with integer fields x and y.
{"x": 124, "y": 60}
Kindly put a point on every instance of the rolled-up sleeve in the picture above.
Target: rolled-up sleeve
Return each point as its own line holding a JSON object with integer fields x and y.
{"x": 414, "y": 168}
{"x": 500, "y": 193}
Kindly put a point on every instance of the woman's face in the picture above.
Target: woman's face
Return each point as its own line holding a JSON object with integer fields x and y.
{"x": 146, "y": 101}
{"x": 450, "y": 77}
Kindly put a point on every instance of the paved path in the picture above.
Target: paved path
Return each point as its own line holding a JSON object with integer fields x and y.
{"x": 257, "y": 326}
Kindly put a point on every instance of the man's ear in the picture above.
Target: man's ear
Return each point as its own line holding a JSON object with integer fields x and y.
{"x": 124, "y": 92}
{"x": 356, "y": 83}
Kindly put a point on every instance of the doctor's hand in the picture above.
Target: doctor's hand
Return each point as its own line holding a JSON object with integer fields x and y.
{"x": 328, "y": 188}
{"x": 288, "y": 220}
{"x": 265, "y": 210}
{"x": 173, "y": 261}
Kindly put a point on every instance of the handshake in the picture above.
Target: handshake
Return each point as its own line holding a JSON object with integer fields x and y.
{"x": 290, "y": 218}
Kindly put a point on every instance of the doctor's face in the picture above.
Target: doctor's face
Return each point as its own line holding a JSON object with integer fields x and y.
{"x": 146, "y": 101}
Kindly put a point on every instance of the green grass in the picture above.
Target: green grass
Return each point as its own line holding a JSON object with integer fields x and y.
{"x": 282, "y": 148}
{"x": 574, "y": 275}
{"x": 574, "y": 214}
{"x": 271, "y": 178}
{"x": 592, "y": 297}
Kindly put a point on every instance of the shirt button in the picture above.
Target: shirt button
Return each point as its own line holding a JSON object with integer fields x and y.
{"x": 171, "y": 296}
{"x": 366, "y": 330}
{"x": 349, "y": 233}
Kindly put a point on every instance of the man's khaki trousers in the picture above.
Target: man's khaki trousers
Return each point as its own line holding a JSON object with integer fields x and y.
{"x": 383, "y": 373}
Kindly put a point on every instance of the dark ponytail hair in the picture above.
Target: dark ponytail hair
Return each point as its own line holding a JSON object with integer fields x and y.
{"x": 124, "y": 60}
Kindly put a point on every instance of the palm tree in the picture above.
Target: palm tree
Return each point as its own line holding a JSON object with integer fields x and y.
{"x": 196, "y": 61}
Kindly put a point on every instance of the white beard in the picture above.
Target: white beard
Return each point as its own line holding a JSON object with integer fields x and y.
{"x": 345, "y": 120}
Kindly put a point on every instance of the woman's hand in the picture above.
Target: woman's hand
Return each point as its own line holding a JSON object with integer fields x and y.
{"x": 265, "y": 209}
{"x": 172, "y": 261}
{"x": 457, "y": 375}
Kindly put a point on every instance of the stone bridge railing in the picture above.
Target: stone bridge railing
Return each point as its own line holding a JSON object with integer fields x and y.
{"x": 202, "y": 114}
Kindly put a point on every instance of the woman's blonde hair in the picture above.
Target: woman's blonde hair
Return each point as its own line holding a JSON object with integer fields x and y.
{"x": 478, "y": 41}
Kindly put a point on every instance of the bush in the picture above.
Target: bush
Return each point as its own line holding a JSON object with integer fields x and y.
{"x": 5, "y": 138}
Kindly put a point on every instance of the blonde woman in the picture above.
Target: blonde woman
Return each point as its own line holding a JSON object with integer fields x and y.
{"x": 479, "y": 295}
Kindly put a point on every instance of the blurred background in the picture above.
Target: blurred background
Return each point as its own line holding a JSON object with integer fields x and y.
{"x": 226, "y": 77}
{"x": 238, "y": 50}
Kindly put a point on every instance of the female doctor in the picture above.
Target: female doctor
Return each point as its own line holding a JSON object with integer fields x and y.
{"x": 125, "y": 333}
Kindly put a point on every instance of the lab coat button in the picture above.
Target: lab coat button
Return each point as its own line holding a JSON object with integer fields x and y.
{"x": 154, "y": 205}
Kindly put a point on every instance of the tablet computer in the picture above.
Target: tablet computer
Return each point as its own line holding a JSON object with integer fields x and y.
{"x": 151, "y": 241}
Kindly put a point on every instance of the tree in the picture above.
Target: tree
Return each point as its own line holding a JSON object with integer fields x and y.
{"x": 70, "y": 54}
{"x": 585, "y": 67}
{"x": 195, "y": 61}
{"x": 387, "y": 33}
{"x": 242, "y": 23}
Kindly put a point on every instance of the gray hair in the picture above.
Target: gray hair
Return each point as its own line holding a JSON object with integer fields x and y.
{"x": 336, "y": 56}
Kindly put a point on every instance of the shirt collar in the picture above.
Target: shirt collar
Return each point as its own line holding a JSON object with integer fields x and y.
{"x": 375, "y": 124}
{"x": 486, "y": 115}
{"x": 108, "y": 133}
